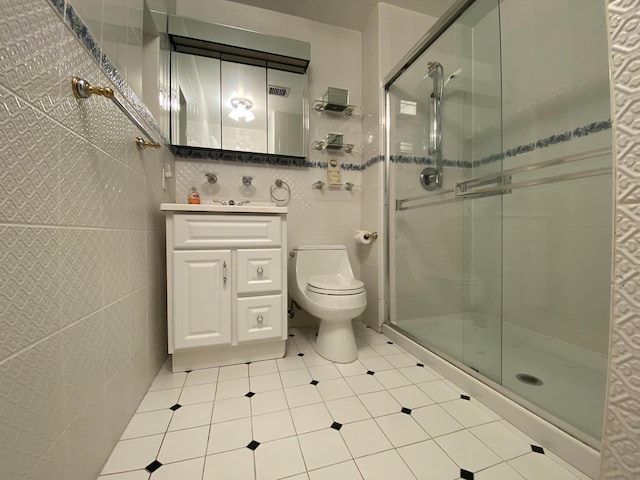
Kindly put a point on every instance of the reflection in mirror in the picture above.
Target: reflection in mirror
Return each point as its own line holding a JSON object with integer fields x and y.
{"x": 285, "y": 102}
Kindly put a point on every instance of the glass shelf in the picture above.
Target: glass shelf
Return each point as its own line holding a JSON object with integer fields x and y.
{"x": 327, "y": 144}
{"x": 322, "y": 106}
{"x": 320, "y": 185}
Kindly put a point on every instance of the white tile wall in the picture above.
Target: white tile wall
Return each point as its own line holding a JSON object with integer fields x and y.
{"x": 81, "y": 244}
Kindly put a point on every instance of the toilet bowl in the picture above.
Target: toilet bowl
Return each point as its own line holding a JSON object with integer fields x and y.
{"x": 321, "y": 281}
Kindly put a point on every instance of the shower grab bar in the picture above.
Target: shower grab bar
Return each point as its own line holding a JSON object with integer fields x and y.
{"x": 400, "y": 206}
{"x": 83, "y": 89}
{"x": 462, "y": 188}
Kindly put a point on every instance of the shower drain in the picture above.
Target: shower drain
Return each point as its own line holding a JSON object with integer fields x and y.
{"x": 529, "y": 379}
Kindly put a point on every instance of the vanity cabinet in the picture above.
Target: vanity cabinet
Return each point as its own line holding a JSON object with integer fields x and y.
{"x": 226, "y": 284}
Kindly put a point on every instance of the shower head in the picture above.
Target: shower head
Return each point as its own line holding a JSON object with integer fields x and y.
{"x": 452, "y": 76}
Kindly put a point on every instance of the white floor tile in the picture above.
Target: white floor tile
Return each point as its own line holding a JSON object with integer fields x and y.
{"x": 231, "y": 409}
{"x": 375, "y": 338}
{"x": 364, "y": 438}
{"x": 334, "y": 389}
{"x": 133, "y": 454}
{"x": 341, "y": 471}
{"x": 380, "y": 403}
{"x": 347, "y": 410}
{"x": 294, "y": 378}
{"x": 366, "y": 351}
{"x": 438, "y": 391}
{"x": 533, "y": 466}
{"x": 268, "y": 402}
{"x": 322, "y": 448}
{"x": 313, "y": 359}
{"x": 428, "y": 461}
{"x": 135, "y": 475}
{"x": 148, "y": 423}
{"x": 302, "y": 395}
{"x": 364, "y": 384}
{"x": 272, "y": 426}
{"x": 410, "y": 397}
{"x": 300, "y": 476}
{"x": 278, "y": 459}
{"x": 233, "y": 372}
{"x": 324, "y": 372}
{"x": 502, "y": 471}
{"x": 467, "y": 413}
{"x": 265, "y": 383}
{"x": 501, "y": 440}
{"x": 401, "y": 429}
{"x": 467, "y": 451}
{"x": 392, "y": 379}
{"x": 231, "y": 435}
{"x": 191, "y": 416}
{"x": 386, "y": 349}
{"x": 417, "y": 374}
{"x": 435, "y": 420}
{"x": 185, "y": 470}
{"x": 165, "y": 382}
{"x": 233, "y": 388}
{"x": 376, "y": 364}
{"x": 311, "y": 418}
{"x": 184, "y": 444}
{"x": 351, "y": 369}
{"x": 290, "y": 363}
{"x": 384, "y": 466}
{"x": 233, "y": 465}
{"x": 198, "y": 377}
{"x": 198, "y": 394}
{"x": 401, "y": 360}
{"x": 262, "y": 368}
{"x": 159, "y": 400}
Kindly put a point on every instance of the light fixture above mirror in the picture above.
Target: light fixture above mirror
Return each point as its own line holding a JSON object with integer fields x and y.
{"x": 242, "y": 109}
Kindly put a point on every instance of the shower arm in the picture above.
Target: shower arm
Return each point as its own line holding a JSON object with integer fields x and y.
{"x": 436, "y": 72}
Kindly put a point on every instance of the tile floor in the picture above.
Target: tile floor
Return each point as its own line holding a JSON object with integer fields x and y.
{"x": 384, "y": 416}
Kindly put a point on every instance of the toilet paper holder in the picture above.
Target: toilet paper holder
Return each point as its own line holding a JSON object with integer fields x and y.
{"x": 372, "y": 235}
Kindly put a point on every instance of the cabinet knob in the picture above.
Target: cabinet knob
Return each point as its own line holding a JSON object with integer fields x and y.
{"x": 260, "y": 319}
{"x": 260, "y": 271}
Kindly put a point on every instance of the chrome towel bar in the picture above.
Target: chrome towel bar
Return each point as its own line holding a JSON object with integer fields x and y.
{"x": 83, "y": 89}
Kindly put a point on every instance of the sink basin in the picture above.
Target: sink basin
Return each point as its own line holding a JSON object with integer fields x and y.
{"x": 253, "y": 207}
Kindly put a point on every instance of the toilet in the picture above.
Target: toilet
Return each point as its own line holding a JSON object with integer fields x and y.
{"x": 322, "y": 283}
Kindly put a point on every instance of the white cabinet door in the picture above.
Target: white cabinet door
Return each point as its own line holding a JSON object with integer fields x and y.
{"x": 201, "y": 298}
{"x": 259, "y": 271}
{"x": 259, "y": 318}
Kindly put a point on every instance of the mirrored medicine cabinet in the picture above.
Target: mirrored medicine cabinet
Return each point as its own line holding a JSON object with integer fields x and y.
{"x": 237, "y": 90}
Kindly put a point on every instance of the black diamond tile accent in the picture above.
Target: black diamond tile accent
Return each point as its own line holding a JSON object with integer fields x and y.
{"x": 301, "y": 354}
{"x": 369, "y": 372}
{"x": 466, "y": 474}
{"x": 253, "y": 445}
{"x": 406, "y": 410}
{"x": 188, "y": 371}
{"x": 336, "y": 426}
{"x": 314, "y": 382}
{"x": 249, "y": 394}
{"x": 420, "y": 365}
{"x": 291, "y": 335}
{"x": 537, "y": 449}
{"x": 465, "y": 397}
{"x": 175, "y": 407}
{"x": 247, "y": 363}
{"x": 390, "y": 343}
{"x": 153, "y": 466}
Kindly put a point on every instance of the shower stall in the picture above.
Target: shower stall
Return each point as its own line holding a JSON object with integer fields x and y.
{"x": 499, "y": 186}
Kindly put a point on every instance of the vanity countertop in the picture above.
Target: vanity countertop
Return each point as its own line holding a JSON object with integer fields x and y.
{"x": 217, "y": 208}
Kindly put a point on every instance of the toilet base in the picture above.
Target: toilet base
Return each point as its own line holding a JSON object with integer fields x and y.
{"x": 336, "y": 341}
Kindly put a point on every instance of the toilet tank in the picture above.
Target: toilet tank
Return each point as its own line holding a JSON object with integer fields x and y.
{"x": 321, "y": 260}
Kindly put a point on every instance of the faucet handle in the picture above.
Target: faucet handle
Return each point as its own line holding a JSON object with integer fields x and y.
{"x": 221, "y": 202}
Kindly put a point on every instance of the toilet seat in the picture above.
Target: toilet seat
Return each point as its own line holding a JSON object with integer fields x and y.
{"x": 334, "y": 285}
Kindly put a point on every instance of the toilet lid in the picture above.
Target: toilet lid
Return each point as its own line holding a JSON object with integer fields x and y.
{"x": 334, "y": 285}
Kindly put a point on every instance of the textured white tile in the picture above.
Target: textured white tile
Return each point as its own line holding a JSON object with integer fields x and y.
{"x": 386, "y": 349}
{"x": 380, "y": 403}
{"x": 334, "y": 389}
{"x": 351, "y": 369}
{"x": 311, "y": 418}
{"x": 410, "y": 397}
{"x": 133, "y": 454}
{"x": 534, "y": 465}
{"x": 376, "y": 364}
{"x": 198, "y": 394}
{"x": 198, "y": 377}
{"x": 233, "y": 372}
{"x": 184, "y": 444}
{"x": 135, "y": 475}
{"x": 324, "y": 372}
{"x": 313, "y": 359}
{"x": 342, "y": 471}
{"x": 400, "y": 360}
{"x": 392, "y": 379}
{"x": 418, "y": 374}
{"x": 272, "y": 426}
{"x": 346, "y": 410}
{"x": 290, "y": 363}
{"x": 229, "y": 435}
{"x": 501, "y": 440}
{"x": 233, "y": 465}
{"x": 435, "y": 420}
{"x": 322, "y": 448}
{"x": 438, "y": 391}
{"x": 149, "y": 423}
{"x": 401, "y": 429}
{"x": 232, "y": 388}
{"x": 383, "y": 466}
{"x": 268, "y": 402}
{"x": 302, "y": 395}
{"x": 467, "y": 413}
{"x": 265, "y": 383}
{"x": 364, "y": 384}
{"x": 231, "y": 409}
{"x": 364, "y": 438}
{"x": 467, "y": 451}
{"x": 186, "y": 470}
{"x": 189, "y": 416}
{"x": 293, "y": 378}
{"x": 278, "y": 459}
{"x": 428, "y": 461}
{"x": 263, "y": 368}
{"x": 502, "y": 471}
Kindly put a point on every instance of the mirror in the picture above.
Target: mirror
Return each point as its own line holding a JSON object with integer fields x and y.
{"x": 237, "y": 90}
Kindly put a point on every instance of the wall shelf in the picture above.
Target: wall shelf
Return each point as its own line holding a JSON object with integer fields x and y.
{"x": 329, "y": 144}
{"x": 320, "y": 185}
{"x": 322, "y": 106}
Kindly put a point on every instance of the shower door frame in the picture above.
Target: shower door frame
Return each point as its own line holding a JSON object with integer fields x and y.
{"x": 432, "y": 35}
